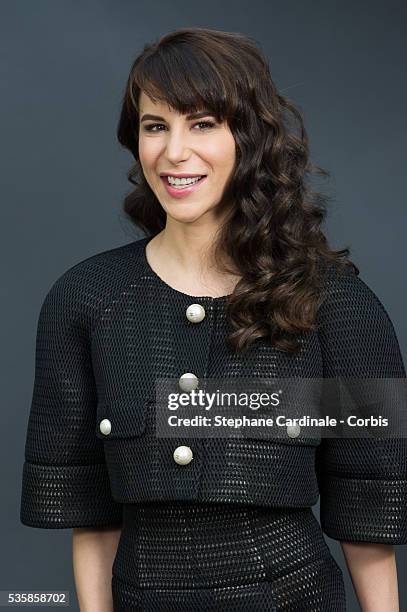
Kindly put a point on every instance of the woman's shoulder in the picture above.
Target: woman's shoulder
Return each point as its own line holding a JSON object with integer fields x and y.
{"x": 344, "y": 289}
{"x": 355, "y": 330}
{"x": 86, "y": 285}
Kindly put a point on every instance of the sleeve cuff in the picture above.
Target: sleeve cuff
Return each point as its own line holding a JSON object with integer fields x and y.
{"x": 60, "y": 497}
{"x": 364, "y": 510}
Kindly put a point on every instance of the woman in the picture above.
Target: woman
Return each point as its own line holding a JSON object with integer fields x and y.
{"x": 234, "y": 280}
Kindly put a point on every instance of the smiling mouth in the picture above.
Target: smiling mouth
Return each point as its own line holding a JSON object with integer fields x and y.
{"x": 182, "y": 184}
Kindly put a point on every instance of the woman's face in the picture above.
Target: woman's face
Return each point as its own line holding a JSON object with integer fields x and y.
{"x": 174, "y": 144}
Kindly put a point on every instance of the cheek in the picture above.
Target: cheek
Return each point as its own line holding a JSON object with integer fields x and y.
{"x": 223, "y": 155}
{"x": 147, "y": 153}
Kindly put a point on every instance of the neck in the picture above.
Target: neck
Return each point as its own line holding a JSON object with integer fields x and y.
{"x": 182, "y": 254}
{"x": 189, "y": 249}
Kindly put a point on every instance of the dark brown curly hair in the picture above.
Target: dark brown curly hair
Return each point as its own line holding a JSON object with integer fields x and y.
{"x": 272, "y": 233}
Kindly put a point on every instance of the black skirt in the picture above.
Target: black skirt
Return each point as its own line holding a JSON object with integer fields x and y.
{"x": 183, "y": 556}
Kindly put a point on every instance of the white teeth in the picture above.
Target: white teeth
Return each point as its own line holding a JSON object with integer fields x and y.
{"x": 172, "y": 180}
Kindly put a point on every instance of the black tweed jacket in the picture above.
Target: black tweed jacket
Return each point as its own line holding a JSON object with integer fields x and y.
{"x": 109, "y": 326}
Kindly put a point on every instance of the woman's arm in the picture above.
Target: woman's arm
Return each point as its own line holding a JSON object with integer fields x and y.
{"x": 373, "y": 572}
{"x": 93, "y": 552}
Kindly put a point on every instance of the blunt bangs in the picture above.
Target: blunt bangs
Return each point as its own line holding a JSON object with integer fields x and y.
{"x": 183, "y": 78}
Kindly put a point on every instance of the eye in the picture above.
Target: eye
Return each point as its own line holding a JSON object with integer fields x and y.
{"x": 207, "y": 124}
{"x": 151, "y": 126}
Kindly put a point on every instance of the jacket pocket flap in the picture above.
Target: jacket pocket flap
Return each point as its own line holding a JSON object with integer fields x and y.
{"x": 121, "y": 418}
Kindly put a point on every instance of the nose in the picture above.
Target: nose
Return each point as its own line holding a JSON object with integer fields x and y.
{"x": 177, "y": 146}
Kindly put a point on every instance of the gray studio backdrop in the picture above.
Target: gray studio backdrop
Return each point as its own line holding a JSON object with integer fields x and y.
{"x": 63, "y": 69}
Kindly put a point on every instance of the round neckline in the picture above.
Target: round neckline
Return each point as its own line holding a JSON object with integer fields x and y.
{"x": 144, "y": 242}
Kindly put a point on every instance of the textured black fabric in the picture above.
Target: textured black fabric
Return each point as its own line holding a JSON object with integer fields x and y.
{"x": 220, "y": 557}
{"x": 363, "y": 482}
{"x": 108, "y": 327}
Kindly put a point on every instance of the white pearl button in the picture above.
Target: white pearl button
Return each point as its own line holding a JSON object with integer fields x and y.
{"x": 183, "y": 455}
{"x": 188, "y": 381}
{"x": 293, "y": 430}
{"x": 105, "y": 427}
{"x": 195, "y": 313}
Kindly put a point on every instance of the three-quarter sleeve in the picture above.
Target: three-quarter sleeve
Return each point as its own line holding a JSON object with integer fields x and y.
{"x": 65, "y": 481}
{"x": 362, "y": 481}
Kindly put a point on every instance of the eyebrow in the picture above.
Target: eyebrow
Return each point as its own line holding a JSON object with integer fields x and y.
{"x": 189, "y": 117}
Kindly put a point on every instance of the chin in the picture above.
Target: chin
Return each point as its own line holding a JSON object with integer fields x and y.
{"x": 183, "y": 208}
{"x": 185, "y": 218}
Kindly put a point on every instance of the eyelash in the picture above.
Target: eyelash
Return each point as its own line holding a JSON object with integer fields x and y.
{"x": 208, "y": 124}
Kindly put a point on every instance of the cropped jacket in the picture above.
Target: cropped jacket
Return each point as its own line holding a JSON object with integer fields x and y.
{"x": 109, "y": 326}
